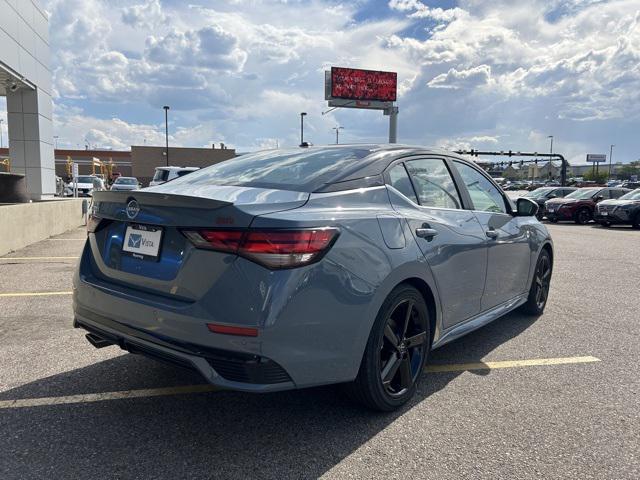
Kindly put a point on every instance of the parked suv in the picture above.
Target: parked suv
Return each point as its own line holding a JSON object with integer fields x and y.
{"x": 165, "y": 174}
{"x": 541, "y": 195}
{"x": 579, "y": 205}
{"x": 625, "y": 210}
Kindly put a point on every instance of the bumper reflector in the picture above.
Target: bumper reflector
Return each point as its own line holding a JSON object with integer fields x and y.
{"x": 228, "y": 330}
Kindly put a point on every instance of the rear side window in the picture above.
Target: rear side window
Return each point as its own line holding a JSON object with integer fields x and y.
{"x": 161, "y": 175}
{"x": 484, "y": 195}
{"x": 301, "y": 169}
{"x": 617, "y": 193}
{"x": 433, "y": 183}
{"x": 399, "y": 179}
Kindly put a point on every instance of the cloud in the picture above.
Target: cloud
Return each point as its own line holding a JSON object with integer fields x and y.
{"x": 146, "y": 15}
{"x": 470, "y": 78}
{"x": 420, "y": 10}
{"x": 242, "y": 71}
{"x": 210, "y": 47}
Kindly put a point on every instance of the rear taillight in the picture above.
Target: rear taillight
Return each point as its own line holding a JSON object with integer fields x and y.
{"x": 271, "y": 248}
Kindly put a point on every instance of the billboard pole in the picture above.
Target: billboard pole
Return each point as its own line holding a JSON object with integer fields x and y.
{"x": 392, "y": 112}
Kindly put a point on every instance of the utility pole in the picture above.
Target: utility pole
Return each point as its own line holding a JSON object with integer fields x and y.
{"x": 166, "y": 132}
{"x": 302, "y": 115}
{"x": 1, "y": 120}
{"x": 337, "y": 129}
{"x": 55, "y": 141}
{"x": 550, "y": 153}
{"x": 610, "y": 159}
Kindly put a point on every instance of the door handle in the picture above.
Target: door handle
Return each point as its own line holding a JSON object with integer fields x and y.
{"x": 427, "y": 233}
{"x": 492, "y": 233}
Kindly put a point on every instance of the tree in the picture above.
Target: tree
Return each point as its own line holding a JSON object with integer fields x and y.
{"x": 600, "y": 176}
{"x": 625, "y": 172}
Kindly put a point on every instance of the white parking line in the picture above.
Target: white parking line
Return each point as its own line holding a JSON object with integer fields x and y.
{"x": 157, "y": 392}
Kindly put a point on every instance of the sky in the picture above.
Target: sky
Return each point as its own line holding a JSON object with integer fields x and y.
{"x": 472, "y": 74}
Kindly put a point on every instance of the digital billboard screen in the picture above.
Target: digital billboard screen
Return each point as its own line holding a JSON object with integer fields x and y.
{"x": 365, "y": 85}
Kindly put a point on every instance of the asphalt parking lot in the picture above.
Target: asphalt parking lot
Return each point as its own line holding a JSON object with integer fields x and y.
{"x": 556, "y": 396}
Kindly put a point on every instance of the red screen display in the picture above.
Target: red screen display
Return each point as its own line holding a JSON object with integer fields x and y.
{"x": 356, "y": 84}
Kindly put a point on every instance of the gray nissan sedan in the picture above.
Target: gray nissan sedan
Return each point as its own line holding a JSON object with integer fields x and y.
{"x": 293, "y": 268}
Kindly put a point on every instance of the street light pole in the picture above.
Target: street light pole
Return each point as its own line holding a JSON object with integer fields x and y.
{"x": 1, "y": 120}
{"x": 610, "y": 159}
{"x": 302, "y": 115}
{"x": 337, "y": 129}
{"x": 166, "y": 132}
{"x": 55, "y": 141}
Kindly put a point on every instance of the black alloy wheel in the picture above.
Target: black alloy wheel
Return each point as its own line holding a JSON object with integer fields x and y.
{"x": 539, "y": 291}
{"x": 402, "y": 348}
{"x": 396, "y": 352}
{"x": 583, "y": 216}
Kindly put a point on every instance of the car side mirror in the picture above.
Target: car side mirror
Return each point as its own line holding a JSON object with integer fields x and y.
{"x": 526, "y": 207}
{"x": 553, "y": 195}
{"x": 599, "y": 198}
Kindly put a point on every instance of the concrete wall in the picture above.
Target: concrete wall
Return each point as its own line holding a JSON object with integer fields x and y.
{"x": 144, "y": 159}
{"x": 25, "y": 62}
{"x": 27, "y": 223}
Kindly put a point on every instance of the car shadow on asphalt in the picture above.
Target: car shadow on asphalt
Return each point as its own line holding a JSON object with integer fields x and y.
{"x": 297, "y": 434}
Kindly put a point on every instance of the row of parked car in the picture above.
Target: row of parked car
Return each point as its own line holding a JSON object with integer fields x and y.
{"x": 605, "y": 205}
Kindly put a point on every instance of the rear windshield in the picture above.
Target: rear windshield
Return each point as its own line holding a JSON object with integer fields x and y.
{"x": 583, "y": 193}
{"x": 161, "y": 175}
{"x": 633, "y": 195}
{"x": 301, "y": 169}
{"x": 126, "y": 181}
{"x": 86, "y": 179}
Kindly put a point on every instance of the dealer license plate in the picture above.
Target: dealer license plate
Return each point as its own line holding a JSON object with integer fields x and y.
{"x": 142, "y": 241}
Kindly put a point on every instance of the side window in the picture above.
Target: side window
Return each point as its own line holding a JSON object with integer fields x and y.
{"x": 433, "y": 183}
{"x": 616, "y": 193}
{"x": 484, "y": 195}
{"x": 605, "y": 194}
{"x": 400, "y": 181}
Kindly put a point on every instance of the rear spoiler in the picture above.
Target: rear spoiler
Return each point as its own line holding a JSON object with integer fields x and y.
{"x": 158, "y": 199}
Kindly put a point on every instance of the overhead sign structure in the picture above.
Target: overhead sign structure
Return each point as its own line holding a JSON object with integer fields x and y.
{"x": 365, "y": 89}
{"x": 596, "y": 158}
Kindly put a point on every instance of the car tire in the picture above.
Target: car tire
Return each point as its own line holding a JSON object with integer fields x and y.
{"x": 583, "y": 216}
{"x": 396, "y": 352}
{"x": 636, "y": 221}
{"x": 605, "y": 224}
{"x": 539, "y": 291}
{"x": 553, "y": 219}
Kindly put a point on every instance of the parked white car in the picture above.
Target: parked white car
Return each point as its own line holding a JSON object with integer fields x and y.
{"x": 125, "y": 183}
{"x": 164, "y": 174}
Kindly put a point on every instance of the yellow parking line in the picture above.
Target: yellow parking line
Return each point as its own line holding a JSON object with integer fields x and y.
{"x": 33, "y": 294}
{"x": 536, "y": 362}
{"x": 99, "y": 397}
{"x": 182, "y": 390}
{"x": 39, "y": 258}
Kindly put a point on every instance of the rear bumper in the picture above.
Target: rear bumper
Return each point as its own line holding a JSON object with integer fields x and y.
{"x": 225, "y": 369}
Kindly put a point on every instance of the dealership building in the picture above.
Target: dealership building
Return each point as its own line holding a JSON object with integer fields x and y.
{"x": 140, "y": 161}
{"x": 25, "y": 81}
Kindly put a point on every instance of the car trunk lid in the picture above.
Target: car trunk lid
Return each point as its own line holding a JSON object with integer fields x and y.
{"x": 177, "y": 269}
